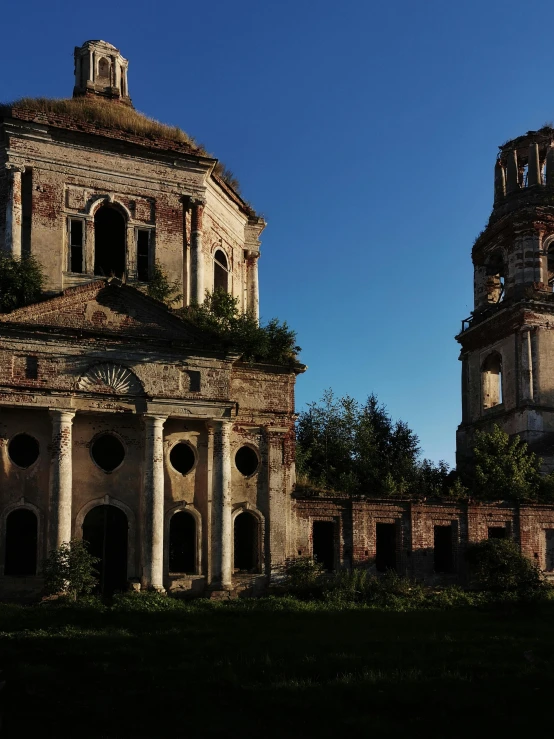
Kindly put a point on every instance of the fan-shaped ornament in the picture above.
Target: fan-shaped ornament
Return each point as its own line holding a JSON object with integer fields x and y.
{"x": 110, "y": 378}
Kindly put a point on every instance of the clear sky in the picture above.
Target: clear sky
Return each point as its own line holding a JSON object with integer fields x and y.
{"x": 366, "y": 133}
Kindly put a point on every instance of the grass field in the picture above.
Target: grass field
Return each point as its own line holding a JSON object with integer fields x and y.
{"x": 271, "y": 668}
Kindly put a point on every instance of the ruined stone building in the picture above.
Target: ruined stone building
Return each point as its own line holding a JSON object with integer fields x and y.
{"x": 176, "y": 462}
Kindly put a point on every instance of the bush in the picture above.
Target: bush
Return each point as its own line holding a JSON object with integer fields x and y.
{"x": 70, "y": 570}
{"x": 499, "y": 566}
{"x": 160, "y": 288}
{"x": 303, "y": 575}
{"x": 21, "y": 282}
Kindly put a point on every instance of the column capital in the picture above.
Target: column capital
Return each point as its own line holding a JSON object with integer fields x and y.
{"x": 276, "y": 430}
{"x": 13, "y": 167}
{"x": 64, "y": 414}
{"x": 252, "y": 253}
{"x": 197, "y": 201}
{"x": 154, "y": 418}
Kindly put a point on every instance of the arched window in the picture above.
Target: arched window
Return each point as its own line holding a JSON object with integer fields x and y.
{"x": 182, "y": 543}
{"x": 496, "y": 274}
{"x": 221, "y": 271}
{"x": 246, "y": 543}
{"x": 21, "y": 543}
{"x": 104, "y": 68}
{"x": 109, "y": 242}
{"x": 491, "y": 375}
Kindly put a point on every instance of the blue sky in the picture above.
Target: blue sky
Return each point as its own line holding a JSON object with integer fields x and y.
{"x": 365, "y": 132}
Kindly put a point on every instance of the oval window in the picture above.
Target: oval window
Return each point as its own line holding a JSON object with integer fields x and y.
{"x": 108, "y": 452}
{"x": 23, "y": 450}
{"x": 182, "y": 457}
{"x": 246, "y": 461}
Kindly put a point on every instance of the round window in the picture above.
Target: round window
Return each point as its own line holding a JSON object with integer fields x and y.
{"x": 108, "y": 452}
{"x": 23, "y": 450}
{"x": 246, "y": 461}
{"x": 182, "y": 457}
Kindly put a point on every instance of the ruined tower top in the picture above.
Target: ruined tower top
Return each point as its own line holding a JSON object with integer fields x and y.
{"x": 101, "y": 71}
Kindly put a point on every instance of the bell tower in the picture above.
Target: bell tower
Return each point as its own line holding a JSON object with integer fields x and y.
{"x": 507, "y": 343}
{"x": 101, "y": 71}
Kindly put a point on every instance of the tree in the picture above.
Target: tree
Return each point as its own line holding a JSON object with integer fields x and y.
{"x": 225, "y": 325}
{"x": 502, "y": 468}
{"x": 356, "y": 448}
{"x": 70, "y": 569}
{"x": 160, "y": 288}
{"x": 499, "y": 565}
{"x": 21, "y": 282}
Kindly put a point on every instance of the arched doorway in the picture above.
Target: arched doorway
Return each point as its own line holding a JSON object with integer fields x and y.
{"x": 20, "y": 557}
{"x": 246, "y": 543}
{"x": 109, "y": 242}
{"x": 182, "y": 543}
{"x": 105, "y": 528}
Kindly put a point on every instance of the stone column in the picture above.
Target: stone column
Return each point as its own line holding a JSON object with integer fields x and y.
{"x": 61, "y": 478}
{"x": 253, "y": 294}
{"x": 534, "y": 176}
{"x": 196, "y": 254}
{"x": 278, "y": 499}
{"x": 512, "y": 183}
{"x": 499, "y": 181}
{"x": 153, "y": 504}
{"x": 14, "y": 211}
{"x": 526, "y": 365}
{"x": 223, "y": 527}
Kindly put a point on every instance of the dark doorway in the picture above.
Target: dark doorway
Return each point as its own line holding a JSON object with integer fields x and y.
{"x": 443, "y": 551}
{"x": 324, "y": 543}
{"x": 21, "y": 543}
{"x": 497, "y": 532}
{"x": 109, "y": 242}
{"x": 246, "y": 543}
{"x": 385, "y": 555}
{"x": 182, "y": 543}
{"x": 549, "y": 550}
{"x": 105, "y": 528}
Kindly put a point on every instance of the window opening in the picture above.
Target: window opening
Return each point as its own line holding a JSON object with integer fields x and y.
{"x": 549, "y": 550}
{"x": 182, "y": 457}
{"x": 76, "y": 245}
{"x": 194, "y": 381}
{"x": 525, "y": 175}
{"x": 246, "y": 544}
{"x": 26, "y": 210}
{"x": 143, "y": 254}
{"x": 104, "y": 68}
{"x": 109, "y": 242}
{"x": 31, "y": 368}
{"x": 496, "y": 276}
{"x": 492, "y": 380}
{"x": 497, "y": 532}
{"x": 21, "y": 543}
{"x": 108, "y": 452}
{"x": 221, "y": 271}
{"x": 443, "y": 549}
{"x": 182, "y": 543}
{"x": 550, "y": 264}
{"x": 246, "y": 461}
{"x": 105, "y": 529}
{"x": 323, "y": 538}
{"x": 23, "y": 450}
{"x": 385, "y": 547}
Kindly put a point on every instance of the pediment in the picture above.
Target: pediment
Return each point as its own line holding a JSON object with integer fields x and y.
{"x": 105, "y": 307}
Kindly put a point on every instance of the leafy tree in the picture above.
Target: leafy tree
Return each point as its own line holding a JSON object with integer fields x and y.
{"x": 499, "y": 565}
{"x": 70, "y": 569}
{"x": 356, "y": 448}
{"x": 502, "y": 468}
{"x": 223, "y": 323}
{"x": 160, "y": 288}
{"x": 21, "y": 282}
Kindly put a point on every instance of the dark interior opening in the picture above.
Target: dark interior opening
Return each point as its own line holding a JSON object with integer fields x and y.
{"x": 76, "y": 245}
{"x": 23, "y": 450}
{"x": 143, "y": 255}
{"x": 443, "y": 549}
{"x": 246, "y": 461}
{"x": 194, "y": 381}
{"x": 323, "y": 534}
{"x": 26, "y": 210}
{"x": 109, "y": 242}
{"x": 221, "y": 273}
{"x": 246, "y": 543}
{"x": 182, "y": 543}
{"x": 105, "y": 528}
{"x": 182, "y": 458}
{"x": 21, "y": 543}
{"x": 385, "y": 555}
{"x": 31, "y": 368}
{"x": 549, "y": 550}
{"x": 497, "y": 532}
{"x": 108, "y": 452}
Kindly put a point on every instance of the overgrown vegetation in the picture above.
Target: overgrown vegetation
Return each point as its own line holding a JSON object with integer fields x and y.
{"x": 221, "y": 321}
{"x": 160, "y": 288}
{"x": 21, "y": 282}
{"x": 106, "y": 114}
{"x": 70, "y": 570}
{"x": 499, "y": 566}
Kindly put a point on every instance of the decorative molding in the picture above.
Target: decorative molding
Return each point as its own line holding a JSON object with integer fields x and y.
{"x": 110, "y": 378}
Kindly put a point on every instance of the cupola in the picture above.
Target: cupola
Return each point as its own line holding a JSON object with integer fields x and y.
{"x": 101, "y": 71}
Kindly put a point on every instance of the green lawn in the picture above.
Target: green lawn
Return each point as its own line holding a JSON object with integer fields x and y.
{"x": 256, "y": 669}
